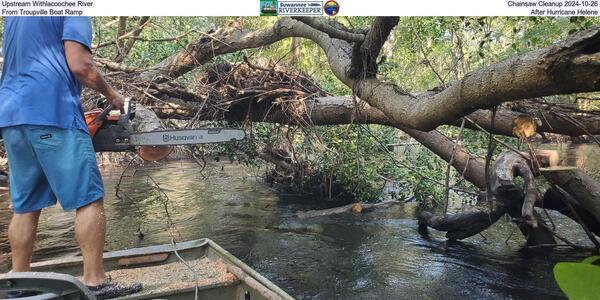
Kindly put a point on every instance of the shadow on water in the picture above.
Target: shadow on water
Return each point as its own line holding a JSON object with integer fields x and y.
{"x": 374, "y": 255}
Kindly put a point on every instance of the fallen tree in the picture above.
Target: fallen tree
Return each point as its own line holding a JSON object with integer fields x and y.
{"x": 241, "y": 93}
{"x": 246, "y": 92}
{"x": 508, "y": 198}
{"x": 566, "y": 67}
{"x": 156, "y": 88}
{"x": 519, "y": 203}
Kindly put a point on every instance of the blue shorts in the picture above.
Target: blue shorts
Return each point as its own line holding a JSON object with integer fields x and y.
{"x": 47, "y": 164}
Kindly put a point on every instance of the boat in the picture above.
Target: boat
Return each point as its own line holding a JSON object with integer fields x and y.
{"x": 198, "y": 269}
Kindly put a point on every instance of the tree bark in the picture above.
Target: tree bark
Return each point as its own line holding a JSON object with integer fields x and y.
{"x": 508, "y": 166}
{"x": 463, "y": 225}
{"x": 364, "y": 55}
{"x": 555, "y": 201}
{"x": 507, "y": 198}
{"x": 581, "y": 186}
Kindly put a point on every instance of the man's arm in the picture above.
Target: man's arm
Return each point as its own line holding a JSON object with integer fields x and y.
{"x": 82, "y": 66}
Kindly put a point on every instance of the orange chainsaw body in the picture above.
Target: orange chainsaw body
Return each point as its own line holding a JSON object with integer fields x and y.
{"x": 92, "y": 121}
{"x": 95, "y": 122}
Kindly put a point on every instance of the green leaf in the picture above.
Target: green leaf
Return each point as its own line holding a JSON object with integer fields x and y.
{"x": 592, "y": 260}
{"x": 578, "y": 280}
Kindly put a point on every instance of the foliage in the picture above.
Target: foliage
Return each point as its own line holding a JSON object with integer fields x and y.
{"x": 579, "y": 280}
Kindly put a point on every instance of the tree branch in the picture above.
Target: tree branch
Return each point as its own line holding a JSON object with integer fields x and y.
{"x": 364, "y": 56}
{"x": 124, "y": 48}
{"x": 335, "y": 32}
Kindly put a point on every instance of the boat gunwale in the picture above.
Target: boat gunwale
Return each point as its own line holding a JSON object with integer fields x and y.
{"x": 166, "y": 248}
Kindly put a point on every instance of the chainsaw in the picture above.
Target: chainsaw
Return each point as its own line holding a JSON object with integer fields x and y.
{"x": 114, "y": 133}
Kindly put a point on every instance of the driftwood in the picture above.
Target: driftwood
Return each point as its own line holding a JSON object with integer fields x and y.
{"x": 345, "y": 209}
{"x": 580, "y": 201}
{"x": 508, "y": 166}
{"x": 463, "y": 225}
{"x": 508, "y": 197}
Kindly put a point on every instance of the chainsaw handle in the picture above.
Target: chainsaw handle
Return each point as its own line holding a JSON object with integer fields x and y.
{"x": 99, "y": 118}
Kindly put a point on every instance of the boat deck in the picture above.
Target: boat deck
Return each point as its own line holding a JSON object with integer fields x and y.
{"x": 176, "y": 276}
{"x": 215, "y": 272}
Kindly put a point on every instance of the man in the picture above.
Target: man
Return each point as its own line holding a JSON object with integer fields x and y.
{"x": 50, "y": 154}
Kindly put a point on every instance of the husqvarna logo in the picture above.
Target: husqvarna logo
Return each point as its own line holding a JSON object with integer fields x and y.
{"x": 179, "y": 138}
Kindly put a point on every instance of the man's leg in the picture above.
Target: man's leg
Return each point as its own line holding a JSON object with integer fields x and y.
{"x": 21, "y": 234}
{"x": 29, "y": 193}
{"x": 90, "y": 232}
{"x": 69, "y": 163}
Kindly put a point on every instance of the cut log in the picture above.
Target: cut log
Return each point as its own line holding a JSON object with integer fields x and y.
{"x": 146, "y": 120}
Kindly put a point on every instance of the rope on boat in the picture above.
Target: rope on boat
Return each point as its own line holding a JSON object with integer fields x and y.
{"x": 187, "y": 265}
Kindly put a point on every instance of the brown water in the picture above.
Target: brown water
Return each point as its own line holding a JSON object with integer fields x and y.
{"x": 376, "y": 255}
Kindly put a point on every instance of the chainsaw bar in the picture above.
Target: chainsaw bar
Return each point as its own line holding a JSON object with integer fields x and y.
{"x": 186, "y": 137}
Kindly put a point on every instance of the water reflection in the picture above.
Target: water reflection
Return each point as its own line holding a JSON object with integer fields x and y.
{"x": 375, "y": 255}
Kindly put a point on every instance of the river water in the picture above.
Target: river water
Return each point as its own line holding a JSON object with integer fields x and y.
{"x": 376, "y": 255}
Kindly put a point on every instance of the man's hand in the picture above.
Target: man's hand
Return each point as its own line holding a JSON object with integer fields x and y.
{"x": 117, "y": 100}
